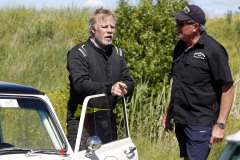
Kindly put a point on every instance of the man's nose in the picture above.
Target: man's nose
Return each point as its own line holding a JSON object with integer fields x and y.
{"x": 110, "y": 29}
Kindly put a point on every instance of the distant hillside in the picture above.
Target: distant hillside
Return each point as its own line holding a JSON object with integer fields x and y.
{"x": 34, "y": 45}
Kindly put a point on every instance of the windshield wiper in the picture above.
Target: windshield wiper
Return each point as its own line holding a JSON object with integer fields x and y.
{"x": 57, "y": 152}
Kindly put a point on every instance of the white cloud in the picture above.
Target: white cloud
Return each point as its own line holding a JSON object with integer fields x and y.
{"x": 217, "y": 13}
{"x": 228, "y": 3}
{"x": 93, "y": 4}
{"x": 217, "y": 8}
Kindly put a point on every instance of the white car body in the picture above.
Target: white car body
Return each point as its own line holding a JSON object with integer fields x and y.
{"x": 33, "y": 102}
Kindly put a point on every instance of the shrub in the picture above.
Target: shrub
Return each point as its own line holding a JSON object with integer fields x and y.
{"x": 146, "y": 34}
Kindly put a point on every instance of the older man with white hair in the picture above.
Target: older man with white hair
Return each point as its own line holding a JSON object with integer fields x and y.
{"x": 96, "y": 66}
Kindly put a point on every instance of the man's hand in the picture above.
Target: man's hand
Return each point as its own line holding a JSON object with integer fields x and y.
{"x": 226, "y": 103}
{"x": 119, "y": 89}
{"x": 217, "y": 135}
{"x": 166, "y": 122}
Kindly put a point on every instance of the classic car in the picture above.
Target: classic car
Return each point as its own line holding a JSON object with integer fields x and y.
{"x": 30, "y": 129}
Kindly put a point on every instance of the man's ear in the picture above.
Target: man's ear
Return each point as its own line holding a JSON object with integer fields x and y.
{"x": 196, "y": 27}
{"x": 93, "y": 29}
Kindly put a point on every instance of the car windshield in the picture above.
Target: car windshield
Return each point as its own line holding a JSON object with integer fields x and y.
{"x": 26, "y": 122}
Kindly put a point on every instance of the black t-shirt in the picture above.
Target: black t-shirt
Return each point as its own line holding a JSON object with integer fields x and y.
{"x": 198, "y": 75}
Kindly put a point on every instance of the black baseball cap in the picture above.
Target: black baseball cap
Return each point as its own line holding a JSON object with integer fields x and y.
{"x": 191, "y": 12}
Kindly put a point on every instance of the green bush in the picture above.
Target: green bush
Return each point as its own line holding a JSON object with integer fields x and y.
{"x": 147, "y": 35}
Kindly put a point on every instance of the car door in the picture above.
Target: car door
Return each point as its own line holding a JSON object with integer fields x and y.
{"x": 120, "y": 148}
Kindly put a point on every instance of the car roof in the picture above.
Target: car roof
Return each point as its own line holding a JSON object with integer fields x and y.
{"x": 6, "y": 87}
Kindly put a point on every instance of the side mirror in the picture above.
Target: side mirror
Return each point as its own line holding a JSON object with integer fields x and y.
{"x": 93, "y": 143}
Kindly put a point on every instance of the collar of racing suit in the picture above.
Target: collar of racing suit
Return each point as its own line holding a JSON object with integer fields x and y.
{"x": 98, "y": 45}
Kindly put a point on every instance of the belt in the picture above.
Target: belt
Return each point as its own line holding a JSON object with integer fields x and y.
{"x": 89, "y": 110}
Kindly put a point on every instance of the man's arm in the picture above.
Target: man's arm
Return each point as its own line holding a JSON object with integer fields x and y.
{"x": 126, "y": 78}
{"x": 166, "y": 121}
{"x": 125, "y": 87}
{"x": 226, "y": 103}
{"x": 79, "y": 74}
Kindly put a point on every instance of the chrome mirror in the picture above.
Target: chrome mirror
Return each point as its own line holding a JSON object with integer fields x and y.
{"x": 93, "y": 143}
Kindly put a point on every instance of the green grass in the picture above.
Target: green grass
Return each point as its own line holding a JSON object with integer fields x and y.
{"x": 226, "y": 30}
{"x": 164, "y": 148}
{"x": 34, "y": 45}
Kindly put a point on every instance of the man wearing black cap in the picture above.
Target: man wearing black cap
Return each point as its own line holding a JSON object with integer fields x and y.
{"x": 202, "y": 89}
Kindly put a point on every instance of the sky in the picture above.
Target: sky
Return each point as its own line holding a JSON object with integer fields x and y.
{"x": 213, "y": 8}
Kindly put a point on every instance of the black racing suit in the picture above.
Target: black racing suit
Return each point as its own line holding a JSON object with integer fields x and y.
{"x": 94, "y": 71}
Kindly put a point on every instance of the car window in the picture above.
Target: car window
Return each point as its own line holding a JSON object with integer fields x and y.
{"x": 26, "y": 122}
{"x": 103, "y": 120}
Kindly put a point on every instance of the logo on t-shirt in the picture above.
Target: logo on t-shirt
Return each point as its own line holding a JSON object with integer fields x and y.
{"x": 199, "y": 55}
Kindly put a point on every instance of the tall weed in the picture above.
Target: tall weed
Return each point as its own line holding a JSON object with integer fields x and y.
{"x": 34, "y": 44}
{"x": 226, "y": 30}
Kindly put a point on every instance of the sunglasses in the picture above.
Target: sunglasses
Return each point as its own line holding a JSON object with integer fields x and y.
{"x": 183, "y": 23}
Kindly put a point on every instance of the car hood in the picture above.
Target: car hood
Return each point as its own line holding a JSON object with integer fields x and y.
{"x": 34, "y": 157}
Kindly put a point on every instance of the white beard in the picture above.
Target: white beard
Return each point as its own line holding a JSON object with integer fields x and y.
{"x": 102, "y": 41}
